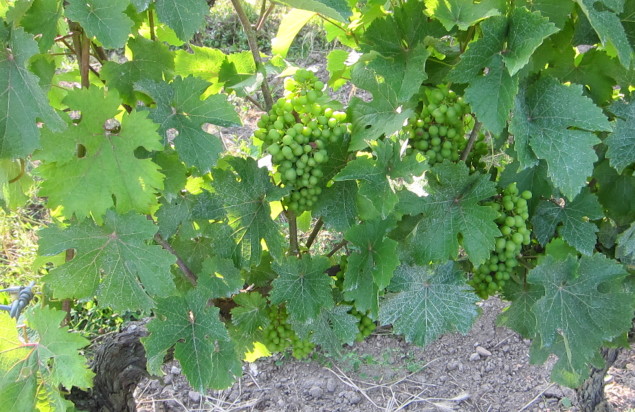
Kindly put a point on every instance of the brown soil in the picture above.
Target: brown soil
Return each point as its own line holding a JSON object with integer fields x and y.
{"x": 485, "y": 370}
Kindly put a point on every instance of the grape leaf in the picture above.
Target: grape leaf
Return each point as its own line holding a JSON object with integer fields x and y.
{"x": 543, "y": 127}
{"x": 227, "y": 364}
{"x": 331, "y": 329}
{"x": 185, "y": 17}
{"x": 603, "y": 16}
{"x": 480, "y": 53}
{"x": 375, "y": 253}
{"x": 289, "y": 27}
{"x": 219, "y": 278}
{"x": 245, "y": 196}
{"x": 151, "y": 60}
{"x": 112, "y": 262}
{"x": 376, "y": 174}
{"x": 492, "y": 94}
{"x": 616, "y": 193}
{"x": 103, "y": 19}
{"x": 518, "y": 316}
{"x": 32, "y": 372}
{"x": 526, "y": 32}
{"x": 461, "y": 13}
{"x": 15, "y": 185}
{"x": 574, "y": 317}
{"x": 398, "y": 38}
{"x": 427, "y": 301}
{"x": 92, "y": 165}
{"x": 451, "y": 211}
{"x": 621, "y": 143}
{"x": 250, "y": 316}
{"x": 172, "y": 214}
{"x": 202, "y": 62}
{"x": 384, "y": 115}
{"x": 180, "y": 107}
{"x": 190, "y": 325}
{"x": 336, "y": 205}
{"x": 335, "y": 9}
{"x": 339, "y": 70}
{"x": 22, "y": 100}
{"x": 625, "y": 250}
{"x": 574, "y": 217}
{"x": 556, "y": 11}
{"x": 304, "y": 286}
{"x": 41, "y": 20}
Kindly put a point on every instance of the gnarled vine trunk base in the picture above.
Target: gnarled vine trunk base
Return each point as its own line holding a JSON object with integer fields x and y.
{"x": 591, "y": 394}
{"x": 119, "y": 364}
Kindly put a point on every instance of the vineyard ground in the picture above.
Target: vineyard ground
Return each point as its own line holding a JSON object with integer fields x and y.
{"x": 385, "y": 373}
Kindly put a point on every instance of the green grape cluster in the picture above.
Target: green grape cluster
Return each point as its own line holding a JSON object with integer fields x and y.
{"x": 278, "y": 335}
{"x": 512, "y": 221}
{"x": 438, "y": 130}
{"x": 296, "y": 133}
{"x": 365, "y": 324}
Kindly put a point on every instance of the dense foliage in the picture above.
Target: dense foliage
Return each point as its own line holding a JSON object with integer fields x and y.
{"x": 494, "y": 154}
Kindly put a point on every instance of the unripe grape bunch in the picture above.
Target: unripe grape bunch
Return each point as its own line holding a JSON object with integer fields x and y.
{"x": 296, "y": 133}
{"x": 438, "y": 130}
{"x": 278, "y": 335}
{"x": 491, "y": 276}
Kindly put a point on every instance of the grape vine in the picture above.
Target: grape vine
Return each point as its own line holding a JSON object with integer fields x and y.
{"x": 223, "y": 247}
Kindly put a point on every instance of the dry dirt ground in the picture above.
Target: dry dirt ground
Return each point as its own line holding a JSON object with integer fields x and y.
{"x": 485, "y": 370}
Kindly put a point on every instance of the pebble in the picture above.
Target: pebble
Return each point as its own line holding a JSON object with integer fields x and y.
{"x": 194, "y": 396}
{"x": 330, "y": 385}
{"x": 452, "y": 365}
{"x": 474, "y": 357}
{"x": 483, "y": 352}
{"x": 352, "y": 397}
{"x": 505, "y": 348}
{"x": 316, "y": 392}
{"x": 175, "y": 370}
{"x": 168, "y": 379}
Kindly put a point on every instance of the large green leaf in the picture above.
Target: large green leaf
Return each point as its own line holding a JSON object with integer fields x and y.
{"x": 518, "y": 316}
{"x": 304, "y": 285}
{"x": 22, "y": 101}
{"x": 376, "y": 175}
{"x": 621, "y": 143}
{"x": 579, "y": 311}
{"x": 250, "y": 316}
{"x": 185, "y": 17}
{"x": 603, "y": 16}
{"x": 625, "y": 250}
{"x": 336, "y": 205}
{"x": 179, "y": 107}
{"x": 151, "y": 60}
{"x": 245, "y": 195}
{"x": 616, "y": 193}
{"x": 112, "y": 262}
{"x": 335, "y": 9}
{"x": 35, "y": 371}
{"x": 193, "y": 327}
{"x": 289, "y": 27}
{"x": 574, "y": 217}
{"x": 491, "y": 95}
{"x": 375, "y": 253}
{"x": 331, "y": 329}
{"x": 555, "y": 122}
{"x": 220, "y": 278}
{"x": 452, "y": 211}
{"x": 41, "y": 20}
{"x": 427, "y": 301}
{"x": 103, "y": 19}
{"x": 526, "y": 32}
{"x": 461, "y": 13}
{"x": 92, "y": 166}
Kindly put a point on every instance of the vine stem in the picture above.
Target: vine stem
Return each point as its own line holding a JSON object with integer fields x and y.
{"x": 337, "y": 247}
{"x": 314, "y": 233}
{"x": 22, "y": 170}
{"x": 153, "y": 36}
{"x": 471, "y": 141}
{"x": 293, "y": 232}
{"x": 264, "y": 14}
{"x": 187, "y": 272}
{"x": 255, "y": 51}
